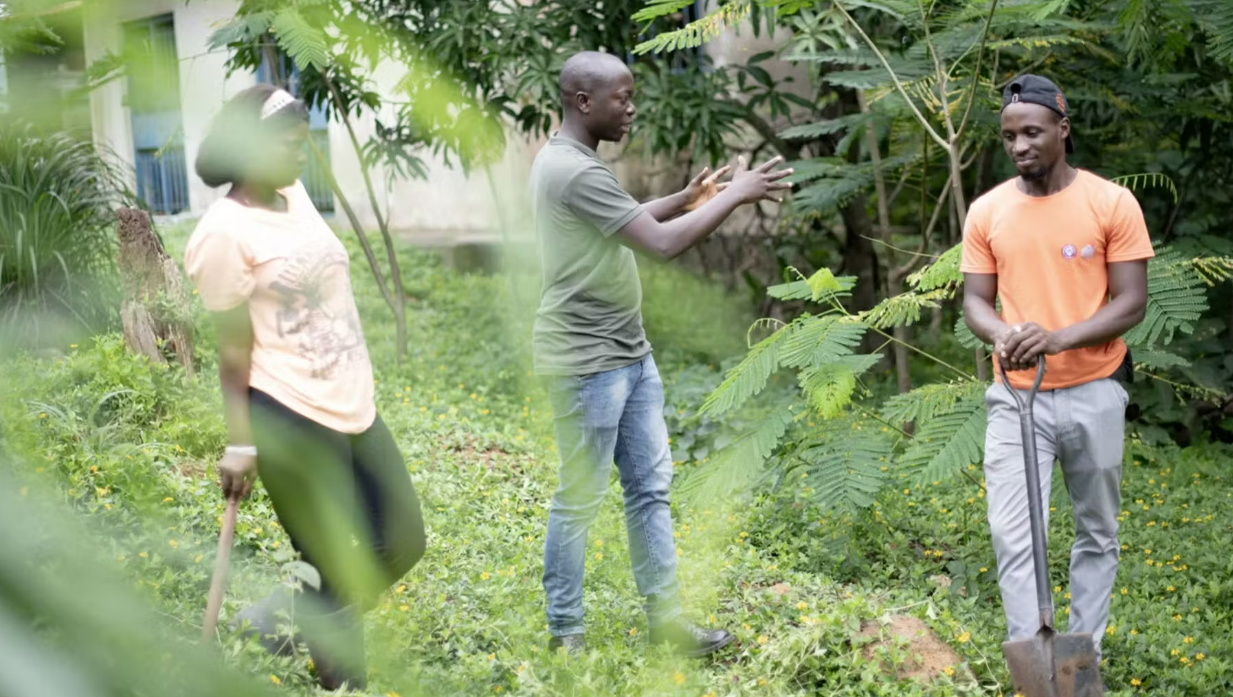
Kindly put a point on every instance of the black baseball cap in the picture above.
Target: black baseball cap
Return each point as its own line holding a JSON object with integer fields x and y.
{"x": 1034, "y": 89}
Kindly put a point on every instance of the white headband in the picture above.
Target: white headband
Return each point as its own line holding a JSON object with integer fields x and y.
{"x": 275, "y": 102}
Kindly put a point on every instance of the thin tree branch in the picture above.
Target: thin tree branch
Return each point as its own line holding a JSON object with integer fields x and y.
{"x": 355, "y": 224}
{"x": 399, "y": 306}
{"x": 975, "y": 156}
{"x": 898, "y": 85}
{"x": 911, "y": 263}
{"x": 901, "y": 250}
{"x": 941, "y": 73}
{"x": 980, "y": 55}
{"x": 903, "y": 181}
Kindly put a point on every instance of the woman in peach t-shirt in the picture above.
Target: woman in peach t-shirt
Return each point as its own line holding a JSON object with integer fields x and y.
{"x": 296, "y": 378}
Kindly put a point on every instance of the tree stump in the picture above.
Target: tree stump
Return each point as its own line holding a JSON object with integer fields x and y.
{"x": 156, "y": 306}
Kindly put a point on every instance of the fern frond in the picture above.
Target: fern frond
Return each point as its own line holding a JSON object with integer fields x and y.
{"x": 1213, "y": 270}
{"x": 1176, "y": 299}
{"x": 843, "y": 182}
{"x": 964, "y": 335}
{"x": 942, "y": 273}
{"x": 948, "y": 442}
{"x": 695, "y": 33}
{"x": 243, "y": 29}
{"x": 1050, "y": 8}
{"x": 1159, "y": 360}
{"x": 816, "y": 341}
{"x": 878, "y": 78}
{"x": 1032, "y": 43}
{"x": 749, "y": 376}
{"x": 823, "y": 284}
{"x": 802, "y": 290}
{"x": 928, "y": 401}
{"x": 1216, "y": 18}
{"x": 305, "y": 43}
{"x": 830, "y": 386}
{"x": 1134, "y": 182}
{"x": 817, "y": 168}
{"x": 899, "y": 9}
{"x": 810, "y": 131}
{"x": 903, "y": 309}
{"x": 736, "y": 467}
{"x": 845, "y": 470}
{"x": 660, "y": 8}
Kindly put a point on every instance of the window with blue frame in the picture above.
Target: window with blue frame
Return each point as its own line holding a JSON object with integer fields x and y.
{"x": 154, "y": 104}
{"x": 315, "y": 177}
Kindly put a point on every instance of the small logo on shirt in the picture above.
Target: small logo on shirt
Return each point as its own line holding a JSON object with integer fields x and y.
{"x": 1088, "y": 252}
{"x": 1069, "y": 251}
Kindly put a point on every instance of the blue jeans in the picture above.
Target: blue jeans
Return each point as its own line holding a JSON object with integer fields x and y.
{"x": 617, "y": 414}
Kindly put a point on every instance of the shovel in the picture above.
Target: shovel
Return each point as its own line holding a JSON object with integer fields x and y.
{"x": 1048, "y": 664}
{"x": 214, "y": 601}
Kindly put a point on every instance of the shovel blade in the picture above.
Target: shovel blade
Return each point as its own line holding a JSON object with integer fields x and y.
{"x": 1054, "y": 665}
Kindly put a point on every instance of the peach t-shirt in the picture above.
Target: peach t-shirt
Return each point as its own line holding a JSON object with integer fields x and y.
{"x": 308, "y": 346}
{"x": 1050, "y": 255}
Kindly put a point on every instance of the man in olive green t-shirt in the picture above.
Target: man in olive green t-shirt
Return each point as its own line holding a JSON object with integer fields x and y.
{"x": 607, "y": 396}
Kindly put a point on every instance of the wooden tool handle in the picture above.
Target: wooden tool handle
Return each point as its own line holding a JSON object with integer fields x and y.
{"x": 215, "y": 601}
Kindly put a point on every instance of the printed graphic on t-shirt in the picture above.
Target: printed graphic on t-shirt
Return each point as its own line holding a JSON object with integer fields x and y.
{"x": 314, "y": 306}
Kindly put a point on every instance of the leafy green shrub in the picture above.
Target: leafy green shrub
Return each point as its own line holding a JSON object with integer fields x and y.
{"x": 57, "y": 199}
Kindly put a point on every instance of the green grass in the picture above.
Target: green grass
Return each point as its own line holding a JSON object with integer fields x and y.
{"x": 129, "y": 447}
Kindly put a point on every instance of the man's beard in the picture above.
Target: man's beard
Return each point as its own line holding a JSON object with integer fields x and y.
{"x": 1037, "y": 174}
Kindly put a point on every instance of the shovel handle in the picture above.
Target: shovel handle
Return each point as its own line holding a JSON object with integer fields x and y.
{"x": 1031, "y": 395}
{"x": 1036, "y": 512}
{"x": 223, "y": 559}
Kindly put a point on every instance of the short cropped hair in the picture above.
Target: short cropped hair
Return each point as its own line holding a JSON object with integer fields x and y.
{"x": 238, "y": 135}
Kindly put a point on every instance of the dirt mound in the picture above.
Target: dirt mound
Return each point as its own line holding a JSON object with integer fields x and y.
{"x": 928, "y": 656}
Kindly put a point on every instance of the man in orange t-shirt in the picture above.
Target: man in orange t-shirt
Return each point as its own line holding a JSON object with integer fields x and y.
{"x": 1066, "y": 253}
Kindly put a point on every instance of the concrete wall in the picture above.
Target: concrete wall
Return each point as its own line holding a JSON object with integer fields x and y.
{"x": 447, "y": 204}
{"x": 203, "y": 82}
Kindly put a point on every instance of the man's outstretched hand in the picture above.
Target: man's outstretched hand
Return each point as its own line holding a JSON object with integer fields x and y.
{"x": 759, "y": 184}
{"x": 1020, "y": 345}
{"x": 704, "y": 187}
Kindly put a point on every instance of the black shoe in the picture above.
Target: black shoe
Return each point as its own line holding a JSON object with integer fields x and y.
{"x": 690, "y": 639}
{"x": 263, "y": 620}
{"x": 574, "y": 644}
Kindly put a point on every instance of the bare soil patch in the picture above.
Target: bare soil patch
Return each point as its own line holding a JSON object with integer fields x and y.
{"x": 928, "y": 656}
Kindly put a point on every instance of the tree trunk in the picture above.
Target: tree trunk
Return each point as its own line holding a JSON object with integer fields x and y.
{"x": 154, "y": 313}
{"x": 861, "y": 260}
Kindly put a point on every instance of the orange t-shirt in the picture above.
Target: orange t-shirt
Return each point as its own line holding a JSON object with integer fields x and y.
{"x": 308, "y": 346}
{"x": 1050, "y": 255}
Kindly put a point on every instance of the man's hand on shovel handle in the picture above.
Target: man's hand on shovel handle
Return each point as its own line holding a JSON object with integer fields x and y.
{"x": 236, "y": 472}
{"x": 1021, "y": 345}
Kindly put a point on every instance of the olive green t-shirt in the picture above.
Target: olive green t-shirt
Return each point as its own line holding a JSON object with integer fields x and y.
{"x": 590, "y": 317}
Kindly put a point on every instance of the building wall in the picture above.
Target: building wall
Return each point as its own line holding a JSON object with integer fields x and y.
{"x": 203, "y": 82}
{"x": 447, "y": 205}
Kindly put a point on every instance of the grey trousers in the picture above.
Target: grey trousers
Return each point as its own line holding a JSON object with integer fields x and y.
{"x": 1082, "y": 427}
